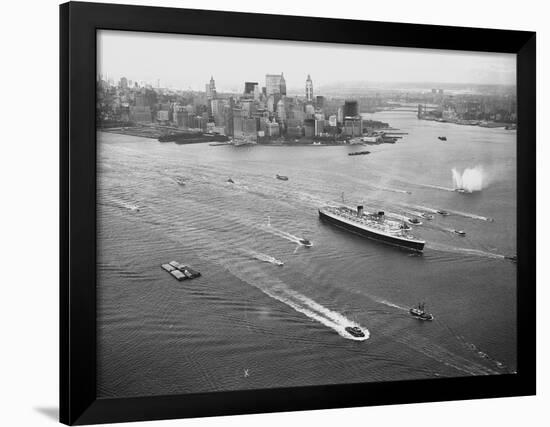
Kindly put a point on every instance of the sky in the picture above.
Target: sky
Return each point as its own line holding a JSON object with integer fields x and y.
{"x": 187, "y": 62}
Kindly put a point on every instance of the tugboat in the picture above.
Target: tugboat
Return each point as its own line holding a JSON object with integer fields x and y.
{"x": 414, "y": 221}
{"x": 305, "y": 242}
{"x": 442, "y": 138}
{"x": 355, "y": 331}
{"x": 282, "y": 177}
{"x": 420, "y": 313}
{"x": 442, "y": 212}
{"x": 460, "y": 232}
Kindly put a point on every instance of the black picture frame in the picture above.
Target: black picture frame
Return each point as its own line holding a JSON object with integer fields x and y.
{"x": 78, "y": 25}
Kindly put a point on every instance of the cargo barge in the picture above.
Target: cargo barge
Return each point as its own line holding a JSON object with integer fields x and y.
{"x": 180, "y": 271}
{"x": 372, "y": 225}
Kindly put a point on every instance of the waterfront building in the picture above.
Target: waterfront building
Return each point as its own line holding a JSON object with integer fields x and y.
{"x": 332, "y": 120}
{"x": 309, "y": 89}
{"x": 351, "y": 108}
{"x": 340, "y": 115}
{"x": 309, "y": 128}
{"x": 228, "y": 119}
{"x": 237, "y": 122}
{"x": 294, "y": 132}
{"x": 275, "y": 84}
{"x": 163, "y": 115}
{"x": 319, "y": 127}
{"x": 353, "y": 126}
{"x": 272, "y": 129}
{"x": 250, "y": 126}
{"x": 181, "y": 118}
{"x": 140, "y": 114}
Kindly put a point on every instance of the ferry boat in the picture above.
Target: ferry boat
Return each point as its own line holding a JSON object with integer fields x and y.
{"x": 371, "y": 225}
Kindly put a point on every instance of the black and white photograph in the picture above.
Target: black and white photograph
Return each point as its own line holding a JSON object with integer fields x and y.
{"x": 282, "y": 214}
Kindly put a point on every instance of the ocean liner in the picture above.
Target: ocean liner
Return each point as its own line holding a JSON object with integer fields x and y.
{"x": 372, "y": 225}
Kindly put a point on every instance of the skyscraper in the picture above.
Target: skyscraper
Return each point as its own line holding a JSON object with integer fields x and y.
{"x": 281, "y": 112}
{"x": 211, "y": 89}
{"x": 251, "y": 90}
{"x": 309, "y": 89}
{"x": 275, "y": 84}
{"x": 351, "y": 108}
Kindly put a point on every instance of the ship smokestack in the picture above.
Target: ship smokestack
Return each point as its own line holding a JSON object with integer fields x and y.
{"x": 360, "y": 210}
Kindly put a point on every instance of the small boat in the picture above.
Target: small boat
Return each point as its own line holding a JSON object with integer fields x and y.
{"x": 442, "y": 138}
{"x": 405, "y": 227}
{"x": 442, "y": 212}
{"x": 179, "y": 180}
{"x": 355, "y": 331}
{"x": 512, "y": 258}
{"x": 460, "y": 232}
{"x": 231, "y": 181}
{"x": 282, "y": 177}
{"x": 427, "y": 216}
{"x": 306, "y": 243}
{"x": 460, "y": 190}
{"x": 414, "y": 221}
{"x": 358, "y": 153}
{"x": 420, "y": 312}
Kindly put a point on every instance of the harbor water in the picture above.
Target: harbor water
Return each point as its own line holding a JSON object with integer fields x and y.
{"x": 249, "y": 323}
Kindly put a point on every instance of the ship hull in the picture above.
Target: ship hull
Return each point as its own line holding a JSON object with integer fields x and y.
{"x": 395, "y": 241}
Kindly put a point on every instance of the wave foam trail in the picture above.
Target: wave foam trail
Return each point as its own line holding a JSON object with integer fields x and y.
{"x": 437, "y": 187}
{"x": 278, "y": 290}
{"x": 120, "y": 203}
{"x": 465, "y": 251}
{"x": 471, "y": 215}
{"x": 390, "y": 304}
{"x": 281, "y": 233}
{"x": 459, "y": 213}
{"x": 265, "y": 258}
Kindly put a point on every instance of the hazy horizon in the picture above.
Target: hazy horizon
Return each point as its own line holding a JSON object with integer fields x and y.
{"x": 186, "y": 62}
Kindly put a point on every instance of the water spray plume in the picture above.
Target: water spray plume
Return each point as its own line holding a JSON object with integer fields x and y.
{"x": 470, "y": 180}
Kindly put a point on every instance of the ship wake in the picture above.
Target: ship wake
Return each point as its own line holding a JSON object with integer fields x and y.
{"x": 281, "y": 292}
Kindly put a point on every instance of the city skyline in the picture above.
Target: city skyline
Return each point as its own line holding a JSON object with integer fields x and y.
{"x": 183, "y": 62}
